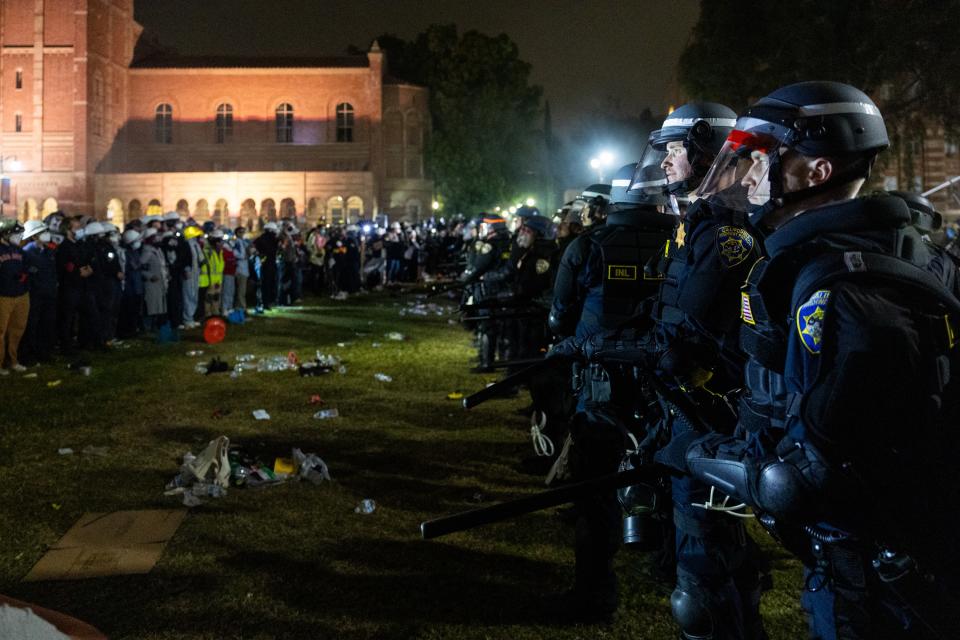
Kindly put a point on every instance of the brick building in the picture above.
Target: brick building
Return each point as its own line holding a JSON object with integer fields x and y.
{"x": 98, "y": 126}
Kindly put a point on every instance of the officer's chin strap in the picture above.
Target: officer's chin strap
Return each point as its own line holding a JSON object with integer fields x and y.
{"x": 735, "y": 510}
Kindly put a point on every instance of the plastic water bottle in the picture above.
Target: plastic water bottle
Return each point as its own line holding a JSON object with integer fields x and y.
{"x": 366, "y": 506}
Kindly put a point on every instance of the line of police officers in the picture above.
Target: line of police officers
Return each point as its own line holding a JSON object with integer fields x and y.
{"x": 786, "y": 347}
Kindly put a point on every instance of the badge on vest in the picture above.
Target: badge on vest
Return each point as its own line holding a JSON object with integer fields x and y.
{"x": 542, "y": 266}
{"x": 484, "y": 248}
{"x": 734, "y": 245}
{"x": 810, "y": 320}
{"x": 621, "y": 272}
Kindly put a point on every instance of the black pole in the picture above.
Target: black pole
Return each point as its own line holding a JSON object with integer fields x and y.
{"x": 544, "y": 500}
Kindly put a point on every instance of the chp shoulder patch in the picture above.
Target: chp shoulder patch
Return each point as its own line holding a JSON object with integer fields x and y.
{"x": 542, "y": 266}
{"x": 810, "y": 320}
{"x": 733, "y": 245}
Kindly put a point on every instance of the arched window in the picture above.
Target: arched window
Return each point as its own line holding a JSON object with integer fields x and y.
{"x": 224, "y": 122}
{"x": 344, "y": 122}
{"x": 285, "y": 122}
{"x": 335, "y": 209}
{"x": 354, "y": 208}
{"x": 163, "y": 124}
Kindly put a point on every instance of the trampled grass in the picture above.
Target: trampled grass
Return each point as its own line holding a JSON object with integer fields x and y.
{"x": 296, "y": 561}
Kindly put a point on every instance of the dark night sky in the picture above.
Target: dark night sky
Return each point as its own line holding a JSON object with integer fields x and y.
{"x": 582, "y": 52}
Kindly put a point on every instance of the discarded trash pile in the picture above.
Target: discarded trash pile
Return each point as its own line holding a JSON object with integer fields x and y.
{"x": 220, "y": 466}
{"x": 419, "y": 308}
{"x": 321, "y": 364}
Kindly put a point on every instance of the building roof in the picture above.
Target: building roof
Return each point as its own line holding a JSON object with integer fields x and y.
{"x": 232, "y": 62}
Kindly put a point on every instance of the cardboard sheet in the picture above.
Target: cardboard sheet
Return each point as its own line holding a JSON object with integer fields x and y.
{"x": 108, "y": 544}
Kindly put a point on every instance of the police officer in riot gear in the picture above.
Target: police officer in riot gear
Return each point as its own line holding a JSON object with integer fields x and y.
{"x": 490, "y": 251}
{"x": 600, "y": 286}
{"x": 842, "y": 445}
{"x": 694, "y": 351}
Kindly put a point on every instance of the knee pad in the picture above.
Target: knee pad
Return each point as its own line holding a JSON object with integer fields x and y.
{"x": 692, "y": 613}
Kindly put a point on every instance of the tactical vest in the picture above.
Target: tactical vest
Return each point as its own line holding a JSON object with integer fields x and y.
{"x": 625, "y": 245}
{"x": 766, "y": 404}
{"x": 682, "y": 294}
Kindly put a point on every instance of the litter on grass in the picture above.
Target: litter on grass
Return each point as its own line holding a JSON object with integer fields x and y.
{"x": 261, "y": 414}
{"x": 394, "y": 335}
{"x": 324, "y": 414}
{"x": 382, "y": 377}
{"x": 194, "y": 353}
{"x": 365, "y": 507}
{"x": 65, "y": 451}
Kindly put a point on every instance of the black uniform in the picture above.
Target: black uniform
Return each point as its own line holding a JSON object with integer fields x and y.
{"x": 78, "y": 304}
{"x": 600, "y": 286}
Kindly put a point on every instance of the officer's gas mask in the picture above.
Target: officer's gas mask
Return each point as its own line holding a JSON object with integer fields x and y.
{"x": 644, "y": 510}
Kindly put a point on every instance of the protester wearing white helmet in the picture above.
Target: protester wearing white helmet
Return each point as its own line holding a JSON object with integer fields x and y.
{"x": 14, "y": 295}
{"x": 211, "y": 273}
{"x": 129, "y": 322}
{"x": 154, "y": 268}
{"x": 39, "y": 256}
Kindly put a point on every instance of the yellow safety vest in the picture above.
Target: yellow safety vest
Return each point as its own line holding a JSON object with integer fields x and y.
{"x": 212, "y": 271}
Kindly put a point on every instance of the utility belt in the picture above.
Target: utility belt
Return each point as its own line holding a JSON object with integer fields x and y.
{"x": 602, "y": 384}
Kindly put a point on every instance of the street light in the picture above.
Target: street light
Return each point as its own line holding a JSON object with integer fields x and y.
{"x": 600, "y": 162}
{"x": 5, "y": 181}
{"x": 531, "y": 202}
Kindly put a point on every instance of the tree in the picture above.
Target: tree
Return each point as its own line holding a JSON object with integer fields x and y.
{"x": 484, "y": 111}
{"x": 902, "y": 53}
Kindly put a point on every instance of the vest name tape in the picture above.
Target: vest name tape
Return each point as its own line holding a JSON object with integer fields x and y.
{"x": 810, "y": 320}
{"x": 621, "y": 272}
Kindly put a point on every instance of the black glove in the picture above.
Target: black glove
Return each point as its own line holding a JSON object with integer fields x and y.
{"x": 567, "y": 348}
{"x": 674, "y": 455}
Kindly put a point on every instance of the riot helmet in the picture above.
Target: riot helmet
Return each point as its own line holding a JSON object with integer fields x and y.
{"x": 812, "y": 119}
{"x": 492, "y": 224}
{"x": 540, "y": 225}
{"x": 596, "y": 199}
{"x": 925, "y": 216}
{"x": 687, "y": 142}
{"x": 625, "y": 196}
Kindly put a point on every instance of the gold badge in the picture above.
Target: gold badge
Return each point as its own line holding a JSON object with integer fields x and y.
{"x": 542, "y": 266}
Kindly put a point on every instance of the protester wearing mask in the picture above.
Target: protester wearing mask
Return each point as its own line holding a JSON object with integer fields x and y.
{"x": 130, "y": 321}
{"x": 14, "y": 295}
{"x": 77, "y": 302}
{"x": 41, "y": 262}
{"x": 211, "y": 274}
{"x": 242, "y": 255}
{"x": 191, "y": 276}
{"x": 154, "y": 269}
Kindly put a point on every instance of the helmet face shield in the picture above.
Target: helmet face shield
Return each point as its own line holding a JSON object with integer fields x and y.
{"x": 649, "y": 177}
{"x": 740, "y": 177}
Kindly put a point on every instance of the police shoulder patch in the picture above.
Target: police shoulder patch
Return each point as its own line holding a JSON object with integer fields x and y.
{"x": 485, "y": 248}
{"x": 733, "y": 245}
{"x": 542, "y": 266}
{"x": 809, "y": 320}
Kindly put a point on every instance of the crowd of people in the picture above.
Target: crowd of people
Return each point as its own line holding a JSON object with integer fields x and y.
{"x": 71, "y": 282}
{"x": 748, "y": 336}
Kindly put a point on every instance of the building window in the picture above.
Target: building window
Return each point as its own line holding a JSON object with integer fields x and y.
{"x": 224, "y": 122}
{"x": 163, "y": 124}
{"x": 19, "y": 78}
{"x": 96, "y": 110}
{"x": 18, "y": 123}
{"x": 950, "y": 147}
{"x": 344, "y": 122}
{"x": 285, "y": 123}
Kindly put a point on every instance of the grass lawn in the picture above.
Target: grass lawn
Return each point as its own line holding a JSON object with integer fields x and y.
{"x": 296, "y": 561}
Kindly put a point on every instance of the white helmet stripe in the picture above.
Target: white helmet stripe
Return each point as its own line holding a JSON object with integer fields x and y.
{"x": 689, "y": 122}
{"x": 833, "y": 108}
